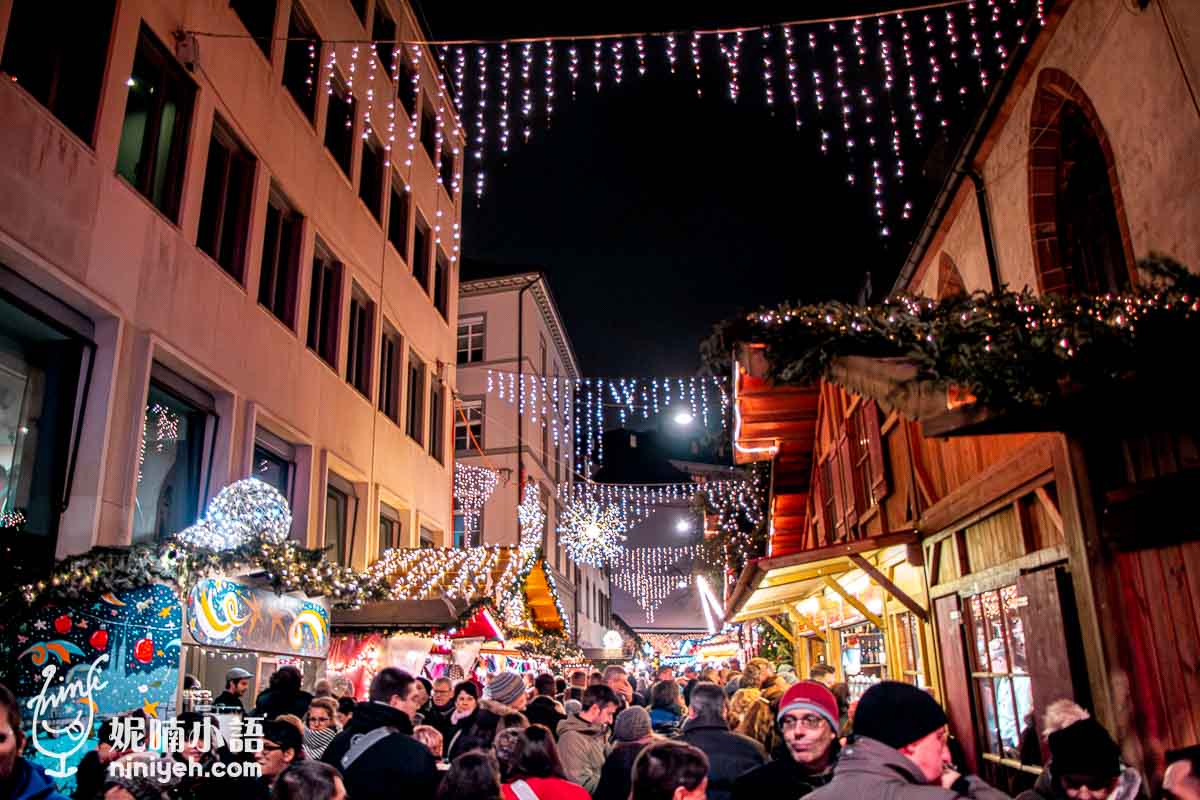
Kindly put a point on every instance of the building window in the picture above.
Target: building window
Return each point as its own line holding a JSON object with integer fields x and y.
{"x": 1003, "y": 686}
{"x": 470, "y": 339}
{"x": 300, "y": 58}
{"x": 468, "y": 426}
{"x": 371, "y": 175}
{"x": 441, "y": 284}
{"x": 406, "y": 86}
{"x": 414, "y": 421}
{"x": 360, "y": 336}
{"x": 429, "y": 132}
{"x": 446, "y": 171}
{"x": 61, "y": 65}
{"x": 429, "y": 537}
{"x": 860, "y": 457}
{"x": 437, "y": 420}
{"x": 360, "y": 10}
{"x": 258, "y": 17}
{"x": 177, "y": 437}
{"x": 323, "y": 306}
{"x": 463, "y": 537}
{"x": 339, "y": 519}
{"x": 398, "y": 219}
{"x": 390, "y": 529}
{"x": 225, "y": 206}
{"x": 383, "y": 33}
{"x": 390, "y": 349}
{"x": 274, "y": 462}
{"x": 421, "y": 254}
{"x": 43, "y": 366}
{"x": 280, "y": 259}
{"x": 339, "y": 125}
{"x": 158, "y": 115}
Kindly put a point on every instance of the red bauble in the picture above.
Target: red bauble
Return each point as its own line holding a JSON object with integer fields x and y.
{"x": 63, "y": 624}
{"x": 143, "y": 651}
{"x": 99, "y": 639}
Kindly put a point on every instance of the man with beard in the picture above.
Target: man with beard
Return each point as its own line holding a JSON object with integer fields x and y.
{"x": 20, "y": 778}
{"x": 808, "y": 717}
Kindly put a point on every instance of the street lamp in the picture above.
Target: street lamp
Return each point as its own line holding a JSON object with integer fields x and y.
{"x": 683, "y": 418}
{"x": 683, "y": 525}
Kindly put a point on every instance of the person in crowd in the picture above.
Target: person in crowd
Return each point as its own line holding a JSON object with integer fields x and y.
{"x": 431, "y": 737}
{"x": 283, "y": 695}
{"x": 788, "y": 673}
{"x": 342, "y": 687}
{"x": 134, "y": 784}
{"x": 579, "y": 684}
{"x": 90, "y": 777}
{"x": 237, "y": 683}
{"x": 666, "y": 708}
{"x": 505, "y": 748}
{"x": 1085, "y": 764}
{"x": 631, "y": 733}
{"x": 424, "y": 692}
{"x": 345, "y": 711}
{"x": 323, "y": 688}
{"x": 595, "y": 679}
{"x": 841, "y": 693}
{"x": 760, "y": 721}
{"x": 294, "y": 721}
{"x": 712, "y": 675}
{"x": 739, "y": 706}
{"x": 441, "y": 707}
{"x": 20, "y": 778}
{"x": 899, "y": 751}
{"x": 670, "y": 771}
{"x": 616, "y": 679}
{"x": 733, "y": 682}
{"x": 376, "y": 753}
{"x": 824, "y": 674}
{"x": 690, "y": 679}
{"x": 808, "y": 718}
{"x": 504, "y": 695}
{"x": 665, "y": 674}
{"x": 472, "y": 776}
{"x": 730, "y": 755}
{"x": 537, "y": 772}
{"x": 560, "y": 688}
{"x": 282, "y": 745}
{"x": 544, "y": 709}
{"x": 571, "y": 707}
{"x": 309, "y": 780}
{"x": 320, "y": 726}
{"x": 466, "y": 707}
{"x": 582, "y": 737}
{"x": 1182, "y": 778}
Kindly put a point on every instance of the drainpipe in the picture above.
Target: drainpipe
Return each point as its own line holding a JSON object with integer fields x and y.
{"x": 985, "y": 223}
{"x": 520, "y": 373}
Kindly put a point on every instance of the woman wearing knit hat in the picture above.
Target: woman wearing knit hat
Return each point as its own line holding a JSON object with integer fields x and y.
{"x": 1085, "y": 764}
{"x": 808, "y": 718}
{"x": 899, "y": 752}
{"x": 632, "y": 731}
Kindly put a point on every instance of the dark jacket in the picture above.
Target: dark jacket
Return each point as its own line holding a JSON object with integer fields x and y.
{"x": 28, "y": 781}
{"x": 730, "y": 755}
{"x": 781, "y": 779}
{"x": 868, "y": 768}
{"x": 396, "y": 763}
{"x": 546, "y": 711}
{"x": 616, "y": 776}
{"x": 90, "y": 776}
{"x": 666, "y": 721}
{"x": 439, "y": 717}
{"x": 229, "y": 700}
{"x": 1130, "y": 787}
{"x": 477, "y": 731}
{"x": 272, "y": 703}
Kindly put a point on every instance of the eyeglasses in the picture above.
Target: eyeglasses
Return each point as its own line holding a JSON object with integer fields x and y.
{"x": 316, "y": 719}
{"x": 808, "y": 722}
{"x": 271, "y": 748}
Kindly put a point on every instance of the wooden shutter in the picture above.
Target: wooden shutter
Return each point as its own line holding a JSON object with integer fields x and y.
{"x": 879, "y": 487}
{"x": 849, "y": 512}
{"x": 956, "y": 678}
{"x": 819, "y": 494}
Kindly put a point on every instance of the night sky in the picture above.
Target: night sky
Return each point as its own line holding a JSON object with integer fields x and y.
{"x": 655, "y": 213}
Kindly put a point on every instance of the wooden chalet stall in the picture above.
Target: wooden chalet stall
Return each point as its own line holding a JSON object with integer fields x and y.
{"x": 954, "y": 549}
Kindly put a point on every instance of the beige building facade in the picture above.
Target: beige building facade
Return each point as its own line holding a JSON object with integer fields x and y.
{"x": 211, "y": 267}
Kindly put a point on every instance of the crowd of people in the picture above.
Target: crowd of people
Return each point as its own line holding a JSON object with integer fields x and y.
{"x": 753, "y": 734}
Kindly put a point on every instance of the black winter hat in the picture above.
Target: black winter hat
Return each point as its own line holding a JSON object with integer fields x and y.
{"x": 897, "y": 714}
{"x": 1084, "y": 748}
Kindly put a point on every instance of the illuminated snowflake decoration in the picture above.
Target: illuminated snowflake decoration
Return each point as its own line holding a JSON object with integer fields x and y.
{"x": 245, "y": 511}
{"x": 591, "y": 533}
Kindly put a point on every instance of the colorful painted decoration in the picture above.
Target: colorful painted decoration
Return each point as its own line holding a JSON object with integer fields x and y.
{"x": 225, "y": 613}
{"x": 63, "y": 624}
{"x": 143, "y": 650}
{"x": 99, "y": 639}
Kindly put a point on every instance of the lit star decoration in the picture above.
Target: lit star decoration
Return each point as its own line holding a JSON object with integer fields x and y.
{"x": 473, "y": 485}
{"x": 591, "y": 533}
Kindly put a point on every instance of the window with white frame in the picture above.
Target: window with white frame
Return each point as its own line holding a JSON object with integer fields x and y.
{"x": 468, "y": 425}
{"x": 470, "y": 339}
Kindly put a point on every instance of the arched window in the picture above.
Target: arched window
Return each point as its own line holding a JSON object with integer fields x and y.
{"x": 1080, "y": 236}
{"x": 950, "y": 280}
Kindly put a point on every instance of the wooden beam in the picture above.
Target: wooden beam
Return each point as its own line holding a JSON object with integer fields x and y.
{"x": 1050, "y": 509}
{"x": 1033, "y": 462}
{"x": 891, "y": 588}
{"x": 1024, "y": 524}
{"x": 855, "y": 602}
{"x": 782, "y": 632}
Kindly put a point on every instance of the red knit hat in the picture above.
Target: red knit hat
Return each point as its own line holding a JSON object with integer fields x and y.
{"x": 810, "y": 696}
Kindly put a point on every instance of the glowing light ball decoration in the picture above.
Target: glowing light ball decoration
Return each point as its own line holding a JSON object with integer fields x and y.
{"x": 591, "y": 533}
{"x": 245, "y": 511}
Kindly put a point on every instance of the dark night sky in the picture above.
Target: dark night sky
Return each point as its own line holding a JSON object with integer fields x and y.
{"x": 655, "y": 213}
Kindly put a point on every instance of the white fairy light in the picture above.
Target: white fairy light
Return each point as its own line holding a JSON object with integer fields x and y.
{"x": 590, "y": 533}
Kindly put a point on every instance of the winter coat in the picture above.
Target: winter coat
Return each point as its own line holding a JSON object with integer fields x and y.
{"x": 477, "y": 731}
{"x": 666, "y": 721}
{"x": 29, "y": 782}
{"x": 271, "y": 703}
{"x": 616, "y": 777}
{"x": 228, "y": 701}
{"x": 1130, "y": 787}
{"x": 583, "y": 748}
{"x": 730, "y": 755}
{"x": 547, "y": 789}
{"x": 867, "y": 768}
{"x": 396, "y": 761}
{"x": 439, "y": 718}
{"x": 781, "y": 779}
{"x": 546, "y": 711}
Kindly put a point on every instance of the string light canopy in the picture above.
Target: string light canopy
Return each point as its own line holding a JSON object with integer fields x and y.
{"x": 637, "y": 501}
{"x": 473, "y": 486}
{"x": 591, "y": 533}
{"x": 651, "y": 574}
{"x": 423, "y": 573}
{"x": 869, "y": 89}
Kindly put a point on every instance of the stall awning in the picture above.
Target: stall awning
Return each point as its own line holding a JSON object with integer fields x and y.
{"x": 542, "y": 600}
{"x": 771, "y": 586}
{"x": 438, "y": 612}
